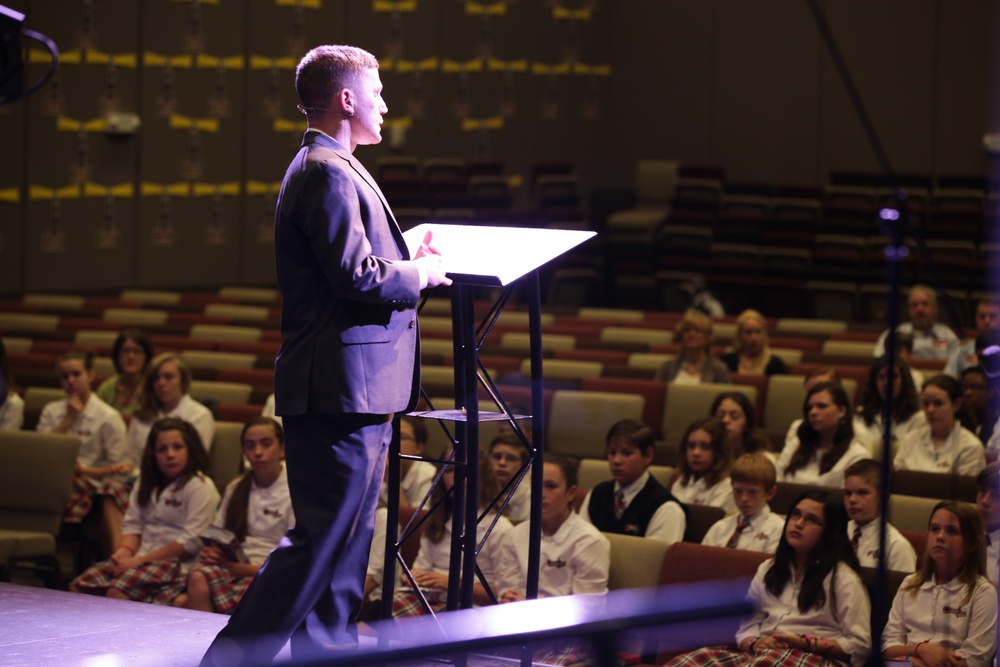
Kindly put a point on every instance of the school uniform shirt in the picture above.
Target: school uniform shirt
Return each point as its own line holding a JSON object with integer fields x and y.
{"x": 961, "y": 454}
{"x": 12, "y": 412}
{"x": 993, "y": 442}
{"x": 939, "y": 613}
{"x": 963, "y": 357}
{"x": 668, "y": 522}
{"x": 939, "y": 342}
{"x": 269, "y": 516}
{"x": 871, "y": 436}
{"x": 763, "y": 533}
{"x": 849, "y": 622}
{"x": 993, "y": 555}
{"x": 99, "y": 427}
{"x": 175, "y": 515}
{"x": 268, "y": 410}
{"x": 900, "y": 555}
{"x": 810, "y": 474}
{"x": 436, "y": 556}
{"x": 376, "y": 555}
{"x": 698, "y": 492}
{"x": 519, "y": 506}
{"x": 574, "y": 560}
{"x": 187, "y": 409}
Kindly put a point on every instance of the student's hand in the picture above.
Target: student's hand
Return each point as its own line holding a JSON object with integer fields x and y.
{"x": 430, "y": 579}
{"x": 121, "y": 468}
{"x": 933, "y": 655}
{"x": 511, "y": 595}
{"x": 123, "y": 562}
{"x": 780, "y": 642}
{"x": 211, "y": 554}
{"x": 74, "y": 406}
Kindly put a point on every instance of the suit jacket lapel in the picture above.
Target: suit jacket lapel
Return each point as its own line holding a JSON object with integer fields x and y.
{"x": 397, "y": 233}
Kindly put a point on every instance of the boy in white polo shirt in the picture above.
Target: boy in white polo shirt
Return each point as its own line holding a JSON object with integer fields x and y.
{"x": 861, "y": 499}
{"x": 753, "y": 527}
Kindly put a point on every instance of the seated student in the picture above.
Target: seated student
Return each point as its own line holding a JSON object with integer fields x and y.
{"x": 130, "y": 354}
{"x": 11, "y": 405}
{"x": 416, "y": 477}
{"x": 904, "y": 352}
{"x": 946, "y": 446}
{"x": 575, "y": 557}
{"x": 695, "y": 363}
{"x": 507, "y": 455}
{"x": 988, "y": 506}
{"x": 257, "y": 510}
{"x": 164, "y": 393}
{"x": 812, "y": 607}
{"x": 172, "y": 502}
{"x": 811, "y": 379}
{"x": 737, "y": 413}
{"x": 980, "y": 398}
{"x": 861, "y": 498}
{"x": 633, "y": 503}
{"x": 906, "y": 414}
{"x": 824, "y": 444}
{"x": 703, "y": 476}
{"x": 98, "y": 425}
{"x": 753, "y": 527}
{"x": 432, "y": 564}
{"x": 946, "y": 613}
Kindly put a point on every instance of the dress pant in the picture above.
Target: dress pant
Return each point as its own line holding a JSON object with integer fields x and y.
{"x": 310, "y": 589}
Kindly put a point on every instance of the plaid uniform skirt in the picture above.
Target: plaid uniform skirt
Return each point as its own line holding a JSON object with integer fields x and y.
{"x": 85, "y": 489}
{"x": 224, "y": 588}
{"x": 721, "y": 656}
{"x": 158, "y": 581}
{"x": 407, "y": 603}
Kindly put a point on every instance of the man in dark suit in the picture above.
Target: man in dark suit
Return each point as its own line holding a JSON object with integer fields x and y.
{"x": 348, "y": 361}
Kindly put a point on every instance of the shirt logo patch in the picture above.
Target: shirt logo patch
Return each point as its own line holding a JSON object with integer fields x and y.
{"x": 555, "y": 563}
{"x": 632, "y": 529}
{"x": 172, "y": 502}
{"x": 269, "y": 512}
{"x": 958, "y": 611}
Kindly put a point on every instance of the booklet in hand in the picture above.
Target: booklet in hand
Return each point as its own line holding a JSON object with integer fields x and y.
{"x": 225, "y": 540}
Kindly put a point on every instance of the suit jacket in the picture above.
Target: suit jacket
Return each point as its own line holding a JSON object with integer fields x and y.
{"x": 348, "y": 324}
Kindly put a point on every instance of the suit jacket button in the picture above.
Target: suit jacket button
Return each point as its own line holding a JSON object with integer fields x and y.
{"x": 411, "y": 324}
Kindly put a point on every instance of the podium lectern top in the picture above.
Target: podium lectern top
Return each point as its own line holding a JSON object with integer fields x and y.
{"x": 494, "y": 256}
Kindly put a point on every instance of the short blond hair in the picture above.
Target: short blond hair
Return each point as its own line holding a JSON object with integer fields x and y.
{"x": 754, "y": 469}
{"x": 694, "y": 317}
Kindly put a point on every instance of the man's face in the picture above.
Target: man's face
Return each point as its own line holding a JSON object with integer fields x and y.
{"x": 987, "y": 316}
{"x": 366, "y": 123}
{"x": 923, "y": 310}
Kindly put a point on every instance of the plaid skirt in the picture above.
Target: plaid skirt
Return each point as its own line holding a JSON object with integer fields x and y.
{"x": 555, "y": 653}
{"x": 721, "y": 656}
{"x": 158, "y": 581}
{"x": 224, "y": 588}
{"x": 407, "y": 603}
{"x": 85, "y": 489}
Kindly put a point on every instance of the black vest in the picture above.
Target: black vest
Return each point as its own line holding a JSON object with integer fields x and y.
{"x": 637, "y": 514}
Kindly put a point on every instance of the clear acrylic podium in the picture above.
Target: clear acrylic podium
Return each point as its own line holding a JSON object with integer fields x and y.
{"x": 477, "y": 257}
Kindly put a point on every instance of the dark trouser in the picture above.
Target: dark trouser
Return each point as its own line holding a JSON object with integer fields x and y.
{"x": 311, "y": 587}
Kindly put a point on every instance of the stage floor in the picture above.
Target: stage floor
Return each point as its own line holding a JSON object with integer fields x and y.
{"x": 46, "y": 627}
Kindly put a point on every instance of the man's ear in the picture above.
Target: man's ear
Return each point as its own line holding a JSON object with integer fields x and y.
{"x": 345, "y": 101}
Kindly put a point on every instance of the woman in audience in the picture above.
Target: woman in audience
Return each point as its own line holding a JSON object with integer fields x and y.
{"x": 751, "y": 353}
{"x": 574, "y": 560}
{"x": 737, "y": 414}
{"x": 99, "y": 426}
{"x": 431, "y": 567}
{"x": 257, "y": 510}
{"x": 946, "y": 613}
{"x": 171, "y": 503}
{"x": 811, "y": 379}
{"x": 946, "y": 445}
{"x": 703, "y": 475}
{"x": 906, "y": 414}
{"x": 11, "y": 405}
{"x": 824, "y": 444}
{"x": 812, "y": 607}
{"x": 695, "y": 364}
{"x": 130, "y": 354}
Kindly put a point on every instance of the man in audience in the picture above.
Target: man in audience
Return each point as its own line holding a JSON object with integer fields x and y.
{"x": 967, "y": 354}
{"x": 931, "y": 339}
